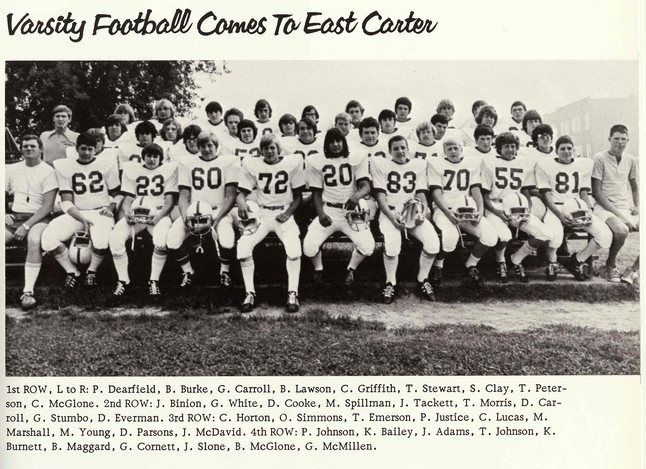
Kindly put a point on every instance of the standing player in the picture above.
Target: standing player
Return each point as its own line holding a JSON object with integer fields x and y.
{"x": 263, "y": 112}
{"x": 277, "y": 181}
{"x": 453, "y": 181}
{"x": 33, "y": 185}
{"x": 211, "y": 178}
{"x": 506, "y": 174}
{"x": 562, "y": 181}
{"x": 387, "y": 122}
{"x": 246, "y": 144}
{"x": 355, "y": 110}
{"x": 403, "y": 107}
{"x": 483, "y": 136}
{"x": 338, "y": 182}
{"x": 306, "y": 143}
{"x": 530, "y": 120}
{"x": 515, "y": 121}
{"x": 87, "y": 186}
{"x": 615, "y": 187}
{"x": 441, "y": 124}
{"x": 426, "y": 146}
{"x": 187, "y": 147}
{"x": 145, "y": 133}
{"x": 370, "y": 144}
{"x": 152, "y": 185}
{"x": 398, "y": 180}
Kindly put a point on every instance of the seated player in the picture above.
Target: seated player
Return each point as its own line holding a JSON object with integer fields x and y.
{"x": 399, "y": 183}
{"x": 276, "y": 180}
{"x": 87, "y": 187}
{"x": 339, "y": 181}
{"x": 615, "y": 187}
{"x": 565, "y": 182}
{"x": 33, "y": 184}
{"x": 542, "y": 149}
{"x": 212, "y": 178}
{"x": 426, "y": 146}
{"x": 152, "y": 187}
{"x": 455, "y": 182}
{"x": 504, "y": 174}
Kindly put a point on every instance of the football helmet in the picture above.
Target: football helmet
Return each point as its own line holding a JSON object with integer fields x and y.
{"x": 466, "y": 209}
{"x": 578, "y": 210}
{"x": 252, "y": 223}
{"x": 359, "y": 217}
{"x": 199, "y": 218}
{"x": 80, "y": 250}
{"x": 142, "y": 210}
{"x": 516, "y": 207}
{"x": 411, "y": 211}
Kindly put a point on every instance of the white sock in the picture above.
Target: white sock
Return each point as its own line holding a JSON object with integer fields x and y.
{"x": 31, "y": 275}
{"x": 157, "y": 265}
{"x": 588, "y": 251}
{"x": 551, "y": 255}
{"x": 64, "y": 260}
{"x": 293, "y": 273}
{"x": 425, "y": 264}
{"x": 95, "y": 262}
{"x": 390, "y": 266}
{"x": 121, "y": 266}
{"x": 472, "y": 261}
{"x": 317, "y": 261}
{"x": 248, "y": 268}
{"x": 356, "y": 259}
{"x": 524, "y": 251}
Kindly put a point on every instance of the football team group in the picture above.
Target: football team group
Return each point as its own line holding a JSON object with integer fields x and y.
{"x": 81, "y": 197}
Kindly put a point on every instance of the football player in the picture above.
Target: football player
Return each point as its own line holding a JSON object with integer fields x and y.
{"x": 615, "y": 187}
{"x": 503, "y": 174}
{"x": 187, "y": 148}
{"x": 115, "y": 130}
{"x": 153, "y": 185}
{"x": 145, "y": 133}
{"x": 343, "y": 122}
{"x": 339, "y": 181}
{"x": 212, "y": 178}
{"x": 164, "y": 109}
{"x": 403, "y": 107}
{"x": 128, "y": 117}
{"x": 530, "y": 120}
{"x": 87, "y": 187}
{"x": 514, "y": 122}
{"x": 287, "y": 124}
{"x": 454, "y": 183}
{"x": 559, "y": 180}
{"x": 387, "y": 122}
{"x": 171, "y": 133}
{"x": 214, "y": 121}
{"x": 355, "y": 110}
{"x": 33, "y": 184}
{"x": 400, "y": 183}
{"x": 246, "y": 144}
{"x": 277, "y": 181}
{"x": 370, "y": 144}
{"x": 426, "y": 146}
{"x": 263, "y": 111}
{"x": 483, "y": 136}
{"x": 306, "y": 143}
{"x": 441, "y": 124}
{"x": 487, "y": 115}
{"x": 311, "y": 112}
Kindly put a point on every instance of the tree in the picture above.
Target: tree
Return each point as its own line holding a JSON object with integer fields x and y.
{"x": 93, "y": 89}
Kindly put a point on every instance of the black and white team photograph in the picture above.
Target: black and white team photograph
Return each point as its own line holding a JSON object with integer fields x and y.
{"x": 262, "y": 218}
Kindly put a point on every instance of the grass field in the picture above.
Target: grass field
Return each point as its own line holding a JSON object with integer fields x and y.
{"x": 196, "y": 344}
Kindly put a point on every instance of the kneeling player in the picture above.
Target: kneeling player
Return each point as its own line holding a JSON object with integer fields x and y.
{"x": 453, "y": 181}
{"x": 150, "y": 192}
{"x": 277, "y": 181}
{"x": 565, "y": 183}
{"x": 339, "y": 181}
{"x": 87, "y": 186}
{"x": 507, "y": 177}
{"x": 33, "y": 184}
{"x": 399, "y": 183}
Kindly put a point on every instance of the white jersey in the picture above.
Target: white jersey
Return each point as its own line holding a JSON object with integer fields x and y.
{"x": 273, "y": 184}
{"x": 564, "y": 180}
{"x": 234, "y": 146}
{"x": 130, "y": 151}
{"x": 406, "y": 129}
{"x": 475, "y": 152}
{"x": 399, "y": 182}
{"x": 419, "y": 150}
{"x": 28, "y": 184}
{"x": 178, "y": 153}
{"x": 501, "y": 177}
{"x": 304, "y": 150}
{"x": 139, "y": 181}
{"x": 455, "y": 179}
{"x": 207, "y": 180}
{"x": 536, "y": 155}
{"x": 110, "y": 153}
{"x": 379, "y": 149}
{"x": 336, "y": 177}
{"x": 89, "y": 182}
{"x": 267, "y": 128}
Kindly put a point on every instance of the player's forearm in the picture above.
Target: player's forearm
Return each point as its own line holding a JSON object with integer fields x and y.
{"x": 298, "y": 199}
{"x": 317, "y": 200}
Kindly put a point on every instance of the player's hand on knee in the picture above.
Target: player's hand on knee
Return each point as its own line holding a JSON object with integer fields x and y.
{"x": 20, "y": 233}
{"x": 282, "y": 217}
{"x": 325, "y": 220}
{"x": 106, "y": 212}
{"x": 566, "y": 219}
{"x": 8, "y": 220}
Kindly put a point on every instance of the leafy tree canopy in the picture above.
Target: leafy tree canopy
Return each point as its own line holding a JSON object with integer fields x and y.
{"x": 93, "y": 89}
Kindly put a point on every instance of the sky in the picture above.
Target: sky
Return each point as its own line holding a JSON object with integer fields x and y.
{"x": 329, "y": 85}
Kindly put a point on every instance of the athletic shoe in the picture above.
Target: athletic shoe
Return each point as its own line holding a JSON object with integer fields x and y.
{"x": 550, "y": 271}
{"x": 187, "y": 279}
{"x": 249, "y": 302}
{"x": 349, "y": 279}
{"x": 612, "y": 274}
{"x": 90, "y": 279}
{"x": 153, "y": 288}
{"x": 579, "y": 268}
{"x": 120, "y": 289}
{"x": 502, "y": 272}
{"x": 630, "y": 278}
{"x": 225, "y": 280}
{"x": 292, "y": 302}
{"x": 426, "y": 290}
{"x": 388, "y": 294}
{"x": 520, "y": 272}
{"x": 27, "y": 301}
{"x": 436, "y": 276}
{"x": 317, "y": 277}
{"x": 473, "y": 274}
{"x": 71, "y": 281}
